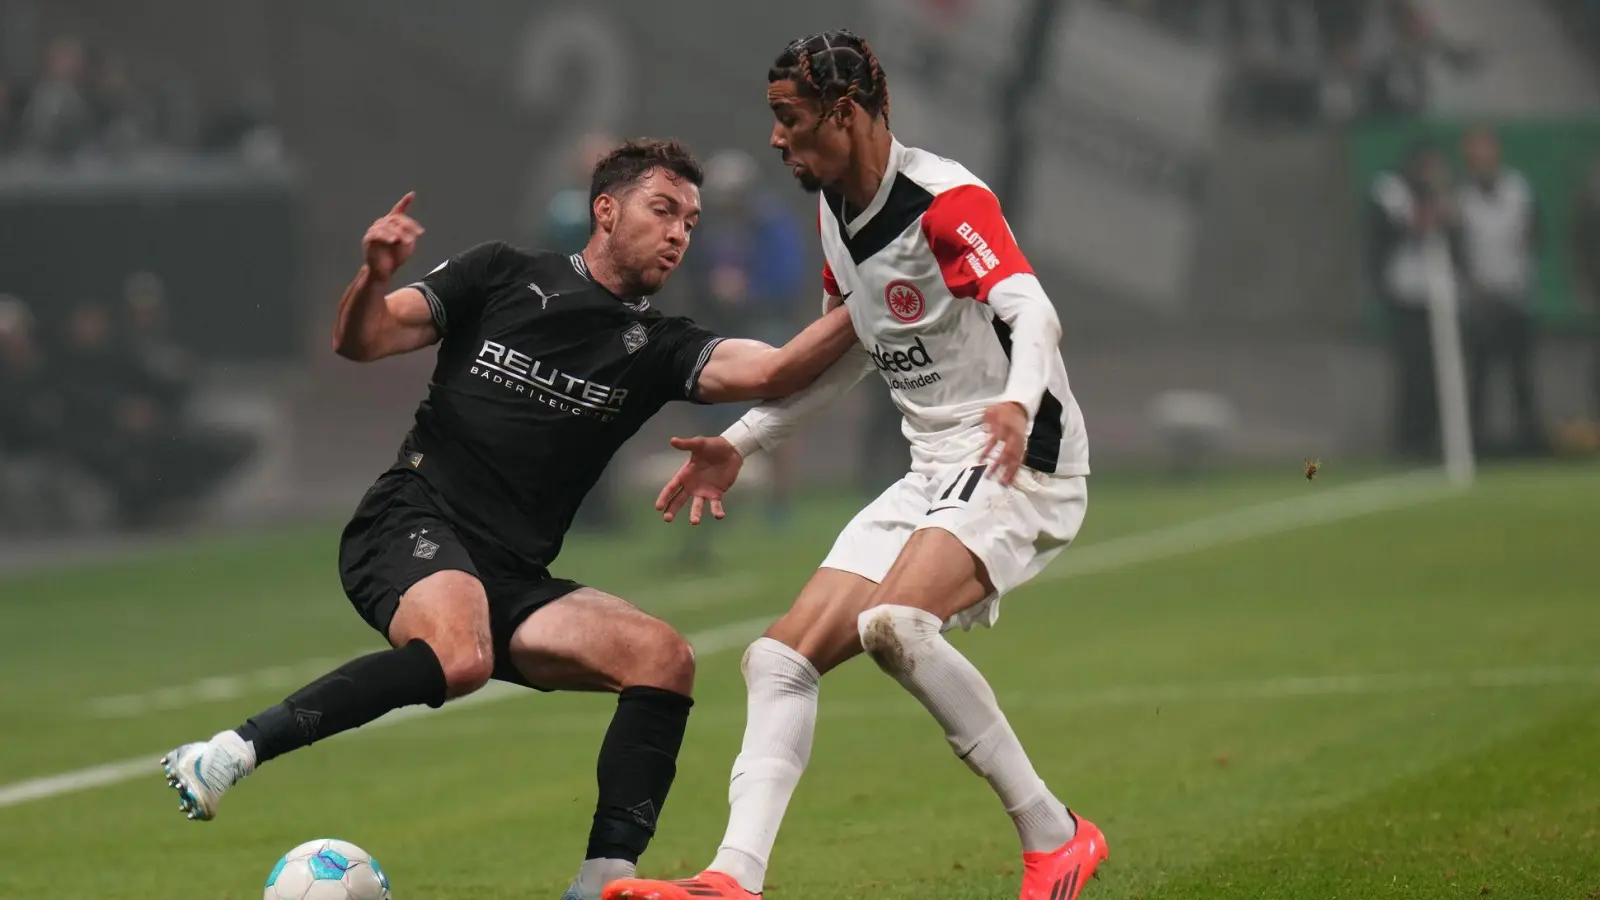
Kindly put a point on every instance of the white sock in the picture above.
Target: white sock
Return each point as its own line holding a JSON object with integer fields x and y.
{"x": 597, "y": 873}
{"x": 907, "y": 644}
{"x": 781, "y": 721}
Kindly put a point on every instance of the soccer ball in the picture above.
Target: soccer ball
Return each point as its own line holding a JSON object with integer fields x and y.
{"x": 326, "y": 869}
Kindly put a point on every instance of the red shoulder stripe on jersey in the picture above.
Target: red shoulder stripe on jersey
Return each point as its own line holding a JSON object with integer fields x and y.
{"x": 972, "y": 241}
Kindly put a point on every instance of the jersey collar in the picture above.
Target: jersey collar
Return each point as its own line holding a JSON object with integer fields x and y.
{"x": 897, "y": 153}
{"x": 637, "y": 304}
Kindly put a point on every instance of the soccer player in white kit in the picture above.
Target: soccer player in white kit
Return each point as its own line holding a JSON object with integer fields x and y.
{"x": 949, "y": 312}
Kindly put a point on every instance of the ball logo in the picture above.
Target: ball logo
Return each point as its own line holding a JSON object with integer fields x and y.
{"x": 905, "y": 301}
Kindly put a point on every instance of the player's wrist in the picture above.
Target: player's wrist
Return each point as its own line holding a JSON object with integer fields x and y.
{"x": 1020, "y": 403}
{"x": 743, "y": 438}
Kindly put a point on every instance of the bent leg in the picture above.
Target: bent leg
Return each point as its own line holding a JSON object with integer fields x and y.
{"x": 935, "y": 578}
{"x": 440, "y": 635}
{"x": 782, "y": 672}
{"x": 591, "y": 641}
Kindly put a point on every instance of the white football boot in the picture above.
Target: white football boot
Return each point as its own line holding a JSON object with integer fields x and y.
{"x": 202, "y": 771}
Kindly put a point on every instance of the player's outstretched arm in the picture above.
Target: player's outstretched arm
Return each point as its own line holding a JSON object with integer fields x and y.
{"x": 714, "y": 462}
{"x": 751, "y": 370}
{"x": 374, "y": 322}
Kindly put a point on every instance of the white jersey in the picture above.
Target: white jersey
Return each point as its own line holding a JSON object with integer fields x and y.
{"x": 916, "y": 269}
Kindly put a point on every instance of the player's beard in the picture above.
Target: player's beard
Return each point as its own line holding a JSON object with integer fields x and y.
{"x": 810, "y": 183}
{"x": 645, "y": 276}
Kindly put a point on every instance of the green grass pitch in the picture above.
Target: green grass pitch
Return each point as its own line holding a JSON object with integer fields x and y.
{"x": 1398, "y": 704}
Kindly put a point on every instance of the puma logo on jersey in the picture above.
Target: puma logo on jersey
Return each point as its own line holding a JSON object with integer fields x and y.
{"x": 544, "y": 299}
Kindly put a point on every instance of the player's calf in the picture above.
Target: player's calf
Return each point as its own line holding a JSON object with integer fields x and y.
{"x": 934, "y": 578}
{"x": 907, "y": 643}
{"x": 592, "y": 641}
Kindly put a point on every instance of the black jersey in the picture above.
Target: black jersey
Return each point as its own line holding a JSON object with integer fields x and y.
{"x": 542, "y": 375}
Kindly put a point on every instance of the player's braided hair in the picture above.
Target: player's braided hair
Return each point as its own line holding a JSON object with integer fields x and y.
{"x": 836, "y": 68}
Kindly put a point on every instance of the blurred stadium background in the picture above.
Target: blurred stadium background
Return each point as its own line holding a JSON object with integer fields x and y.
{"x": 1192, "y": 178}
{"x": 1205, "y": 186}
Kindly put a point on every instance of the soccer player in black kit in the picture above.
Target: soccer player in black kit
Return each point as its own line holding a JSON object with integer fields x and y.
{"x": 547, "y": 364}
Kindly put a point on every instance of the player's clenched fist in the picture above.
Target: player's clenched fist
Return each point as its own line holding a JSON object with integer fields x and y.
{"x": 391, "y": 240}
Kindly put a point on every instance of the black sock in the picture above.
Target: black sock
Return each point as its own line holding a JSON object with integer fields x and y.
{"x": 348, "y": 697}
{"x": 638, "y": 761}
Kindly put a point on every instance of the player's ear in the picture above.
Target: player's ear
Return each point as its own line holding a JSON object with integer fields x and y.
{"x": 605, "y": 212}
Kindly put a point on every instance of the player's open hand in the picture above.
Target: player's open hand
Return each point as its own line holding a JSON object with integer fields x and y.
{"x": 712, "y": 468}
{"x": 391, "y": 240}
{"x": 1007, "y": 424}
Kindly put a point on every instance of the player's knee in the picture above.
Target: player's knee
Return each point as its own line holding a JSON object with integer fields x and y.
{"x": 891, "y": 634}
{"x": 467, "y": 665}
{"x": 669, "y": 662}
{"x": 770, "y": 660}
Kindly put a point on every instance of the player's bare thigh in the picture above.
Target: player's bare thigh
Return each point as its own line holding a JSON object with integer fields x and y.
{"x": 592, "y": 641}
{"x": 821, "y": 624}
{"x": 449, "y": 610}
{"x": 935, "y": 573}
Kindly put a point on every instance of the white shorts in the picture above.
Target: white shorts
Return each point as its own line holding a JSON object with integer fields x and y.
{"x": 1015, "y": 530}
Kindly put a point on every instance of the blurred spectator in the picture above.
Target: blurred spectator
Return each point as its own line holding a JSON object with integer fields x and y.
{"x": 247, "y": 126}
{"x": 124, "y": 121}
{"x": 164, "y": 366}
{"x": 1500, "y": 228}
{"x": 32, "y": 413}
{"x": 32, "y": 419}
{"x": 750, "y": 270}
{"x": 77, "y": 103}
{"x": 113, "y": 425}
{"x": 1407, "y": 210}
{"x": 127, "y": 424}
{"x": 1278, "y": 66}
{"x": 1585, "y": 237}
{"x": 58, "y": 120}
{"x": 1297, "y": 61}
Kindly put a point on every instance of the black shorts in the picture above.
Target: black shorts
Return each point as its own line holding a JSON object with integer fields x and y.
{"x": 398, "y": 536}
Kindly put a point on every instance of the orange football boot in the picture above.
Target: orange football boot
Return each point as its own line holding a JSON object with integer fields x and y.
{"x": 1062, "y": 874}
{"x": 705, "y": 886}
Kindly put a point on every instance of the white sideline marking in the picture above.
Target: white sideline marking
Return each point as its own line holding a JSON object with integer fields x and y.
{"x": 1261, "y": 520}
{"x": 689, "y": 596}
{"x": 208, "y": 690}
{"x": 78, "y": 780}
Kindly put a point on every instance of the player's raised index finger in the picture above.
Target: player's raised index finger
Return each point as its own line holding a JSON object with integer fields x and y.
{"x": 404, "y": 204}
